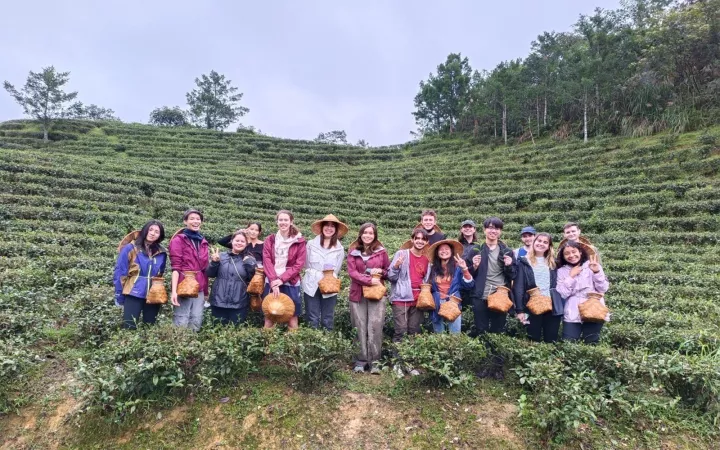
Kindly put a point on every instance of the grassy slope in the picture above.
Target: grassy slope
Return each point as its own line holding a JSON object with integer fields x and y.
{"x": 650, "y": 206}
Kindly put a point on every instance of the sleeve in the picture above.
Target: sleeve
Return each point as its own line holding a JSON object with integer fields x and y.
{"x": 385, "y": 264}
{"x": 297, "y": 265}
{"x": 463, "y": 283}
{"x": 519, "y": 288}
{"x": 121, "y": 269}
{"x": 249, "y": 264}
{"x": 565, "y": 283}
{"x": 511, "y": 270}
{"x": 176, "y": 255}
{"x": 163, "y": 264}
{"x": 393, "y": 273}
{"x": 600, "y": 282}
{"x": 225, "y": 242}
{"x": 356, "y": 276}
{"x": 268, "y": 266}
{"x": 338, "y": 262}
{"x": 213, "y": 269}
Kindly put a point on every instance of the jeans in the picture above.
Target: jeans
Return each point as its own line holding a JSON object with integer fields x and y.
{"x": 590, "y": 331}
{"x": 133, "y": 307}
{"x": 190, "y": 312}
{"x": 487, "y": 320}
{"x": 441, "y": 325}
{"x": 368, "y": 317}
{"x": 229, "y": 315}
{"x": 406, "y": 320}
{"x": 320, "y": 311}
{"x": 544, "y": 328}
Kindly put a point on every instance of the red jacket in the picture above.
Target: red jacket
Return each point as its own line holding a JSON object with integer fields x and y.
{"x": 295, "y": 262}
{"x": 356, "y": 269}
{"x": 184, "y": 257}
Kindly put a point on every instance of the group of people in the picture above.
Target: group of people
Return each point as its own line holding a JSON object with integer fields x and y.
{"x": 467, "y": 270}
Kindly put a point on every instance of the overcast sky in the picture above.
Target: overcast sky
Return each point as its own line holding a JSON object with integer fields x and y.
{"x": 303, "y": 66}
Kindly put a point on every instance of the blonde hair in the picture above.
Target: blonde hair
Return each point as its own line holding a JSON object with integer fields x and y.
{"x": 549, "y": 253}
{"x": 293, "y": 231}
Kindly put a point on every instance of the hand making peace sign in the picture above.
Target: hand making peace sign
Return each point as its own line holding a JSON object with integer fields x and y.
{"x": 594, "y": 264}
{"x": 215, "y": 256}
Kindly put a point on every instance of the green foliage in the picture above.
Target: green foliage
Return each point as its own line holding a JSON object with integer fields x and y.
{"x": 15, "y": 361}
{"x": 312, "y": 356}
{"x": 214, "y": 104}
{"x": 707, "y": 139}
{"x": 169, "y": 117}
{"x": 444, "y": 359}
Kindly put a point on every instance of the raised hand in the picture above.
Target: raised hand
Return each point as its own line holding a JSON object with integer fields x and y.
{"x": 594, "y": 264}
{"x": 507, "y": 259}
{"x": 476, "y": 261}
{"x": 215, "y": 256}
{"x": 399, "y": 261}
{"x": 460, "y": 262}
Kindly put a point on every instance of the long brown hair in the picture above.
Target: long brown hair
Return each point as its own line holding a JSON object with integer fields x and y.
{"x": 549, "y": 253}
{"x": 294, "y": 231}
{"x": 360, "y": 245}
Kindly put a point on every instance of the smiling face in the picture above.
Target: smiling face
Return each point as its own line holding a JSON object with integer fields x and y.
{"x": 283, "y": 223}
{"x": 428, "y": 222}
{"x": 153, "y": 234}
{"x": 419, "y": 241}
{"x": 572, "y": 255}
{"x": 193, "y": 222}
{"x": 492, "y": 233}
{"x": 328, "y": 229}
{"x": 444, "y": 252}
{"x": 368, "y": 236}
{"x": 541, "y": 245}
{"x": 239, "y": 243}
{"x": 527, "y": 239}
{"x": 252, "y": 231}
{"x": 468, "y": 232}
{"x": 571, "y": 233}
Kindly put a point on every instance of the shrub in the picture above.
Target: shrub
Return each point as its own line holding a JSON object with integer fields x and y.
{"x": 120, "y": 147}
{"x": 312, "y": 356}
{"x": 15, "y": 360}
{"x": 445, "y": 359}
{"x": 707, "y": 139}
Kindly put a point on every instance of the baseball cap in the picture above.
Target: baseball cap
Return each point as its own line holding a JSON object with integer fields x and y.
{"x": 468, "y": 222}
{"x": 530, "y": 230}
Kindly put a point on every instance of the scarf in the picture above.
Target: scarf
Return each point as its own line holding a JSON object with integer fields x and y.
{"x": 193, "y": 235}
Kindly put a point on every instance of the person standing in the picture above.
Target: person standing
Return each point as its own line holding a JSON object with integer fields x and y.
{"x": 283, "y": 259}
{"x": 468, "y": 239}
{"x": 448, "y": 273}
{"x": 189, "y": 252}
{"x": 138, "y": 262}
{"x": 492, "y": 265}
{"x": 367, "y": 257}
{"x": 428, "y": 221}
{"x": 253, "y": 231}
{"x": 527, "y": 236}
{"x": 232, "y": 270}
{"x": 324, "y": 252}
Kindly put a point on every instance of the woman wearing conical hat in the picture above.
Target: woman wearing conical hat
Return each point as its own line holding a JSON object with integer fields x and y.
{"x": 324, "y": 252}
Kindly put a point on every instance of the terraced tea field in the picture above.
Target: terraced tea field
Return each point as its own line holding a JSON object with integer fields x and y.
{"x": 649, "y": 204}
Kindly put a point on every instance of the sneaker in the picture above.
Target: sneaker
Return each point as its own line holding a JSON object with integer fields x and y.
{"x": 207, "y": 304}
{"x": 414, "y": 372}
{"x": 359, "y": 369}
{"x": 375, "y": 370}
{"x": 398, "y": 371}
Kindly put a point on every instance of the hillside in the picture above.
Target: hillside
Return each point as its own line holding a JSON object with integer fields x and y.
{"x": 649, "y": 204}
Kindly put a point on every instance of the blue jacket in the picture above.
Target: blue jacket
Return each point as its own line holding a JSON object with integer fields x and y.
{"x": 457, "y": 283}
{"x": 134, "y": 271}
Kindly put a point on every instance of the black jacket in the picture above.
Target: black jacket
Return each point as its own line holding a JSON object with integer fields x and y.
{"x": 525, "y": 280}
{"x": 232, "y": 275}
{"x": 480, "y": 275}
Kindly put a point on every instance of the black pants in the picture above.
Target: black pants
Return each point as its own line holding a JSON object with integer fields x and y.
{"x": 487, "y": 320}
{"x": 132, "y": 309}
{"x": 229, "y": 315}
{"x": 467, "y": 299}
{"x": 544, "y": 328}
{"x": 320, "y": 311}
{"x": 590, "y": 332}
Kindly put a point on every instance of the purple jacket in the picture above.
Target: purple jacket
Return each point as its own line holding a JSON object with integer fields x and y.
{"x": 574, "y": 290}
{"x": 296, "y": 260}
{"x": 184, "y": 257}
{"x": 356, "y": 269}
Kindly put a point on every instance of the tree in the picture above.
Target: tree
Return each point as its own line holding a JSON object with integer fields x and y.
{"x": 332, "y": 137}
{"x": 168, "y": 117}
{"x": 363, "y": 143}
{"x": 443, "y": 98}
{"x": 42, "y": 97}
{"x": 91, "y": 112}
{"x": 214, "y": 104}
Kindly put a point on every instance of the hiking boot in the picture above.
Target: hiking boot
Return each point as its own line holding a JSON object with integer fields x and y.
{"x": 375, "y": 370}
{"x": 359, "y": 369}
{"x": 414, "y": 372}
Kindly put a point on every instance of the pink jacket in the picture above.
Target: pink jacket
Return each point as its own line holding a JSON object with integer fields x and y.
{"x": 574, "y": 290}
{"x": 356, "y": 269}
{"x": 184, "y": 257}
{"x": 295, "y": 263}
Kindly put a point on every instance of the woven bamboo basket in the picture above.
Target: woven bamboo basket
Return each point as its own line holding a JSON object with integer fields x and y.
{"x": 592, "y": 309}
{"x": 425, "y": 301}
{"x": 257, "y": 283}
{"x": 189, "y": 286}
{"x": 157, "y": 295}
{"x": 278, "y": 310}
{"x": 328, "y": 284}
{"x": 255, "y": 302}
{"x": 538, "y": 304}
{"x": 450, "y": 310}
{"x": 499, "y": 301}
{"x": 375, "y": 292}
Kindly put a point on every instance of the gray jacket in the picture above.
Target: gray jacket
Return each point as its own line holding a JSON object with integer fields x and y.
{"x": 400, "y": 286}
{"x": 232, "y": 275}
